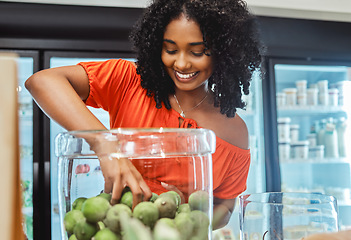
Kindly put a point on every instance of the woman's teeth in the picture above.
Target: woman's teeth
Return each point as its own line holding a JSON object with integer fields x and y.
{"x": 188, "y": 75}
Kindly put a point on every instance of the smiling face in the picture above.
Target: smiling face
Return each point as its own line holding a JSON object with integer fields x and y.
{"x": 183, "y": 54}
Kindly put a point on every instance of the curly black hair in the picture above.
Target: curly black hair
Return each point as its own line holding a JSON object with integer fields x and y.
{"x": 229, "y": 31}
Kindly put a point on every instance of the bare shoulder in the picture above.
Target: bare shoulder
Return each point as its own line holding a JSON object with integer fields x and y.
{"x": 232, "y": 130}
{"x": 134, "y": 64}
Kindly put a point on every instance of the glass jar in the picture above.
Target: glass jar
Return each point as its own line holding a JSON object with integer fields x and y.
{"x": 333, "y": 97}
{"x": 165, "y": 157}
{"x": 294, "y": 132}
{"x": 291, "y": 97}
{"x": 312, "y": 96}
{"x": 301, "y": 86}
{"x": 283, "y": 129}
{"x": 284, "y": 151}
{"x": 286, "y": 215}
{"x": 281, "y": 99}
{"x": 316, "y": 152}
{"x": 299, "y": 149}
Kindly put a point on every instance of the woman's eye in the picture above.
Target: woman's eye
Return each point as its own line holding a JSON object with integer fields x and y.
{"x": 198, "y": 54}
{"x": 171, "y": 51}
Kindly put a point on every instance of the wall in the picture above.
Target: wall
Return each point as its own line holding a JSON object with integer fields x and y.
{"x": 337, "y": 10}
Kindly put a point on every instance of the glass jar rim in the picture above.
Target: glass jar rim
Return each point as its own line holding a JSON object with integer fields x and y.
{"x": 312, "y": 198}
{"x": 137, "y": 142}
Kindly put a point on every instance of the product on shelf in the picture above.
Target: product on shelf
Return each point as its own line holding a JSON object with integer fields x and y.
{"x": 342, "y": 136}
{"x": 299, "y": 149}
{"x": 294, "y": 132}
{"x": 331, "y": 141}
{"x": 312, "y": 139}
{"x": 316, "y": 152}
{"x": 312, "y": 96}
{"x": 284, "y": 150}
{"x": 301, "y": 86}
{"x": 281, "y": 99}
{"x": 291, "y": 96}
{"x": 283, "y": 129}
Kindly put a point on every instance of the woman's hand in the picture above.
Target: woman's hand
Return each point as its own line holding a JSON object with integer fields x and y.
{"x": 174, "y": 188}
{"x": 119, "y": 172}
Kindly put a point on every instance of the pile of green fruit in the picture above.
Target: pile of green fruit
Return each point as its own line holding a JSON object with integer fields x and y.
{"x": 163, "y": 217}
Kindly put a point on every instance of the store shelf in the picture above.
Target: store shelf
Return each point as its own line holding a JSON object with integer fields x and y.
{"x": 315, "y": 161}
{"x": 309, "y": 110}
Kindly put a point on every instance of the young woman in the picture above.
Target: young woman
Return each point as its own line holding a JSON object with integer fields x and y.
{"x": 195, "y": 60}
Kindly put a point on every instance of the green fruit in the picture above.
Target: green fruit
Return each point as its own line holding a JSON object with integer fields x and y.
{"x": 84, "y": 230}
{"x": 174, "y": 194}
{"x": 177, "y": 196}
{"x": 199, "y": 200}
{"x": 134, "y": 229}
{"x": 112, "y": 220}
{"x": 71, "y": 219}
{"x": 168, "y": 221}
{"x": 162, "y": 231}
{"x": 184, "y": 208}
{"x": 184, "y": 224}
{"x": 101, "y": 225}
{"x": 167, "y": 206}
{"x": 73, "y": 237}
{"x": 95, "y": 209}
{"x": 105, "y": 234}
{"x": 127, "y": 199}
{"x": 147, "y": 213}
{"x": 153, "y": 197}
{"x": 125, "y": 189}
{"x": 201, "y": 223}
{"x": 107, "y": 196}
{"x": 77, "y": 204}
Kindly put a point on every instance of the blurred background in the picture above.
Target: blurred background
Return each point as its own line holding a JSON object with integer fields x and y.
{"x": 298, "y": 113}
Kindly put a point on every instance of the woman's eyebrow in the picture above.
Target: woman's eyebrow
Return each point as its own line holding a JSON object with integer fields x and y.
{"x": 196, "y": 43}
{"x": 169, "y": 41}
{"x": 191, "y": 44}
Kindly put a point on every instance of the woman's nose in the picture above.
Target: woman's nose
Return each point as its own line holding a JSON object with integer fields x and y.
{"x": 181, "y": 62}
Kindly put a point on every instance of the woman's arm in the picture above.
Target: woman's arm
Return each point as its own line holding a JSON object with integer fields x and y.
{"x": 222, "y": 211}
{"x": 59, "y": 93}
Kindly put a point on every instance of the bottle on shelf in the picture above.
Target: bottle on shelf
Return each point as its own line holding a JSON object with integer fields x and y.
{"x": 331, "y": 141}
{"x": 320, "y": 131}
{"x": 341, "y": 132}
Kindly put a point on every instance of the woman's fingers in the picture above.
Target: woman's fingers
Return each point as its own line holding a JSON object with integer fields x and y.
{"x": 116, "y": 191}
{"x": 119, "y": 173}
{"x": 173, "y": 188}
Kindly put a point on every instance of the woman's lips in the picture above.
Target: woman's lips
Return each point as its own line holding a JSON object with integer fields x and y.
{"x": 185, "y": 77}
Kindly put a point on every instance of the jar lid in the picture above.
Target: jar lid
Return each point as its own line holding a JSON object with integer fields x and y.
{"x": 136, "y": 142}
{"x": 329, "y": 127}
{"x": 280, "y": 94}
{"x": 301, "y": 81}
{"x": 317, "y": 148}
{"x": 300, "y": 143}
{"x": 333, "y": 91}
{"x": 284, "y": 120}
{"x": 312, "y": 90}
{"x": 290, "y": 90}
{"x": 294, "y": 126}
